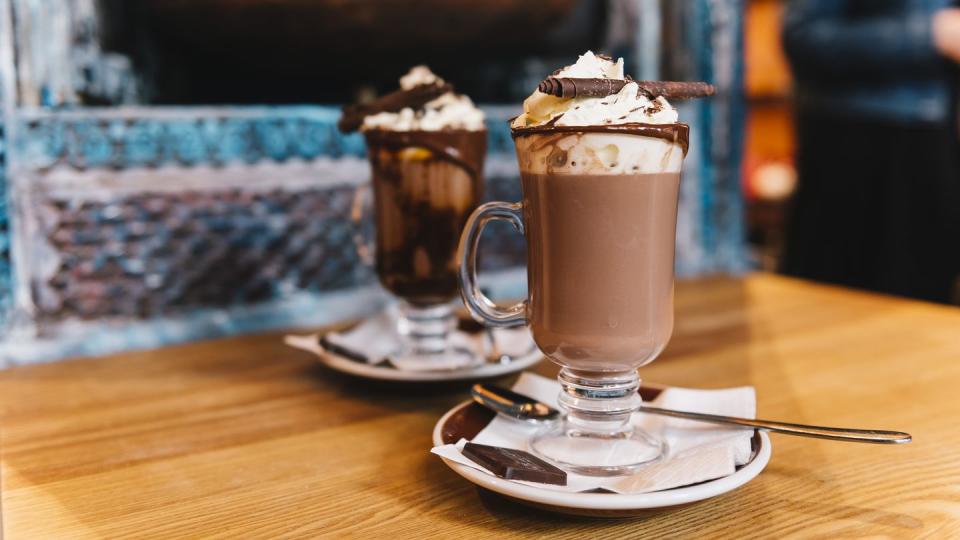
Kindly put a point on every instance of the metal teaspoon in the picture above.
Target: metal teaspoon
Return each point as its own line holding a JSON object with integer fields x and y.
{"x": 523, "y": 407}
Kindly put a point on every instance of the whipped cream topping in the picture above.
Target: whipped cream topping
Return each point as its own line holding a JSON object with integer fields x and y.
{"x": 419, "y": 75}
{"x": 627, "y": 106}
{"x": 449, "y": 111}
{"x": 597, "y": 154}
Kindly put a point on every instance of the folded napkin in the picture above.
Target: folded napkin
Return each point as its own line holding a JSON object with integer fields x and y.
{"x": 375, "y": 341}
{"x": 696, "y": 451}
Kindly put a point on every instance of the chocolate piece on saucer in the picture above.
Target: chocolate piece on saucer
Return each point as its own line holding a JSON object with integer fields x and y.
{"x": 342, "y": 351}
{"x": 515, "y": 464}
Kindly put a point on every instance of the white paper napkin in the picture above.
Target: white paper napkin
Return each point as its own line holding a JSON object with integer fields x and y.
{"x": 376, "y": 340}
{"x": 696, "y": 451}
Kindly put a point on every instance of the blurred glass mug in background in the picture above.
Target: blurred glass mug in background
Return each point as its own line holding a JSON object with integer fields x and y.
{"x": 425, "y": 185}
{"x": 599, "y": 214}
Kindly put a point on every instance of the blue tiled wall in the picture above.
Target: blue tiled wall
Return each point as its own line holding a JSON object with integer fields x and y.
{"x": 100, "y": 246}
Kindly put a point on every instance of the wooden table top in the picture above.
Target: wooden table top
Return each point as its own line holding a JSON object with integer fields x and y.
{"x": 245, "y": 437}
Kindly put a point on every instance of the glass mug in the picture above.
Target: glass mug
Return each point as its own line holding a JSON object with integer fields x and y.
{"x": 600, "y": 247}
{"x": 425, "y": 185}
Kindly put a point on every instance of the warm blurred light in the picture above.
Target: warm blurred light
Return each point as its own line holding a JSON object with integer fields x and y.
{"x": 774, "y": 181}
{"x": 767, "y": 71}
{"x": 770, "y": 130}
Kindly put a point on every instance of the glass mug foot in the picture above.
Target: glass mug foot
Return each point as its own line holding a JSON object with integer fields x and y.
{"x": 596, "y": 436}
{"x": 597, "y": 454}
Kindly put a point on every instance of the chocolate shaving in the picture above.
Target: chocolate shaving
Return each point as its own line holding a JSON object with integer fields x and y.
{"x": 416, "y": 97}
{"x": 553, "y": 120}
{"x": 567, "y": 87}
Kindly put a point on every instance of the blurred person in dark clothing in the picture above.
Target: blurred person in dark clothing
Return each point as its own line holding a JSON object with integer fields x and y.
{"x": 878, "y": 200}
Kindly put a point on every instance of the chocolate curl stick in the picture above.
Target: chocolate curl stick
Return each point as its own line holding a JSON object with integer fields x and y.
{"x": 566, "y": 87}
{"x": 418, "y": 96}
{"x": 676, "y": 90}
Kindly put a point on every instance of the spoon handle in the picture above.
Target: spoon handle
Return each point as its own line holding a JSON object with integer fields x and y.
{"x": 874, "y": 436}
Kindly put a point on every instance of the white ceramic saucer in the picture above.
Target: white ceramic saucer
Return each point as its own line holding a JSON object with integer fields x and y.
{"x": 468, "y": 419}
{"x": 354, "y": 362}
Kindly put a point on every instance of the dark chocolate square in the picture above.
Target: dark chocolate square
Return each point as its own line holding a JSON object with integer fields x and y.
{"x": 515, "y": 464}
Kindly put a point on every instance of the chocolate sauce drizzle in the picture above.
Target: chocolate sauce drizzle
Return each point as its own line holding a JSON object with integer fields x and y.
{"x": 678, "y": 133}
{"x": 449, "y": 145}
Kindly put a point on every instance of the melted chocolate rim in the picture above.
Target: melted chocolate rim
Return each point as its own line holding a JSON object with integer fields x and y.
{"x": 397, "y": 140}
{"x": 678, "y": 133}
{"x": 385, "y": 131}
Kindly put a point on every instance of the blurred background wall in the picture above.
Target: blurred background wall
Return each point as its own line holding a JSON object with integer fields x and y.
{"x": 172, "y": 170}
{"x": 769, "y": 173}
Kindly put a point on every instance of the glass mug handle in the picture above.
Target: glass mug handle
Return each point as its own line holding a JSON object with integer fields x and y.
{"x": 482, "y": 308}
{"x": 359, "y": 214}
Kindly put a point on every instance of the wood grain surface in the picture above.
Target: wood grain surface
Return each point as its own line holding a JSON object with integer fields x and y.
{"x": 244, "y": 437}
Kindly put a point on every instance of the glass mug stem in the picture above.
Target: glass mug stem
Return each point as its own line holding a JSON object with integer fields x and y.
{"x": 600, "y": 402}
{"x": 425, "y": 330}
{"x": 597, "y": 437}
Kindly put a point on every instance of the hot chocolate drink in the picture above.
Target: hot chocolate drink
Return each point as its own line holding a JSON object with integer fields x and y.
{"x": 600, "y": 157}
{"x": 601, "y": 267}
{"x": 600, "y": 207}
{"x": 426, "y": 184}
{"x": 426, "y": 146}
